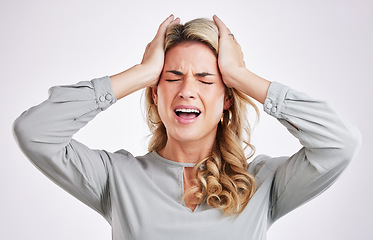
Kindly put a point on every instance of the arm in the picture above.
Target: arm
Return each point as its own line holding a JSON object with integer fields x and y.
{"x": 45, "y": 132}
{"x": 329, "y": 142}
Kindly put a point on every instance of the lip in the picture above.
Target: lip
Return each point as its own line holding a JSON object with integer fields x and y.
{"x": 184, "y": 120}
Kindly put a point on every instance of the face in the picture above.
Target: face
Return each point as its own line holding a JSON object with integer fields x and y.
{"x": 190, "y": 94}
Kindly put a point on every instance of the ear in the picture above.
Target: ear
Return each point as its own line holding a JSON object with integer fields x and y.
{"x": 155, "y": 95}
{"x": 228, "y": 101}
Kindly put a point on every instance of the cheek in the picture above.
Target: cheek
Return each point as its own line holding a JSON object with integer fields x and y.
{"x": 165, "y": 92}
{"x": 165, "y": 97}
{"x": 214, "y": 105}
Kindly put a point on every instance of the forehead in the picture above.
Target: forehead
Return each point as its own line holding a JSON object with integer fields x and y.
{"x": 190, "y": 52}
{"x": 190, "y": 43}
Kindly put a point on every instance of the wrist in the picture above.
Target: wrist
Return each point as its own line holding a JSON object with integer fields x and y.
{"x": 132, "y": 80}
{"x": 236, "y": 77}
{"x": 149, "y": 73}
{"x": 249, "y": 83}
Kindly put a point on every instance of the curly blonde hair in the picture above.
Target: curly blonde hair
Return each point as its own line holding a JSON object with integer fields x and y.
{"x": 221, "y": 178}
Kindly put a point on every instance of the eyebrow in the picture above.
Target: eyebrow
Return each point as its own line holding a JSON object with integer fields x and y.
{"x": 175, "y": 72}
{"x": 202, "y": 74}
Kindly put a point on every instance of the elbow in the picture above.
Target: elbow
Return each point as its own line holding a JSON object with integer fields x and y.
{"x": 338, "y": 151}
{"x": 21, "y": 132}
{"x": 350, "y": 143}
{"x": 24, "y": 134}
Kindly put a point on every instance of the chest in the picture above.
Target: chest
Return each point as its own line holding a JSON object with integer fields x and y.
{"x": 146, "y": 204}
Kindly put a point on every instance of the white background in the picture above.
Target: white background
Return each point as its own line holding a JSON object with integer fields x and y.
{"x": 322, "y": 47}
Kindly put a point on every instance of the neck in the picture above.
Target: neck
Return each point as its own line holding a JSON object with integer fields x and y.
{"x": 186, "y": 152}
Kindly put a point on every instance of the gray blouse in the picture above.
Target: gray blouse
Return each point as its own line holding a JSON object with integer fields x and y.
{"x": 140, "y": 196}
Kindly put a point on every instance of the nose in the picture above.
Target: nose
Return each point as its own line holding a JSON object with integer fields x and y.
{"x": 188, "y": 88}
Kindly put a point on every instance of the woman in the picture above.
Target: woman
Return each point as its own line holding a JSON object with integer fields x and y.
{"x": 194, "y": 183}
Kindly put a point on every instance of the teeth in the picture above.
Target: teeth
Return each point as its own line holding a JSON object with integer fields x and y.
{"x": 184, "y": 110}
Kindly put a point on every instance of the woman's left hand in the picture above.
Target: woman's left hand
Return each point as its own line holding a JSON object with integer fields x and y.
{"x": 230, "y": 57}
{"x": 232, "y": 66}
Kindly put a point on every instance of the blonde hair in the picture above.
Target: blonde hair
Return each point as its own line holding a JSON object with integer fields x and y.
{"x": 221, "y": 178}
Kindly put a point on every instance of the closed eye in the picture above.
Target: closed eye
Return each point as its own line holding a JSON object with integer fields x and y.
{"x": 204, "y": 76}
{"x": 206, "y": 82}
{"x": 172, "y": 80}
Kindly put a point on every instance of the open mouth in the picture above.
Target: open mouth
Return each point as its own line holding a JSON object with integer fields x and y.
{"x": 187, "y": 113}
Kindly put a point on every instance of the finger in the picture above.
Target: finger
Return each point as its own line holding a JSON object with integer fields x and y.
{"x": 167, "y": 23}
{"x": 175, "y": 21}
{"x": 223, "y": 29}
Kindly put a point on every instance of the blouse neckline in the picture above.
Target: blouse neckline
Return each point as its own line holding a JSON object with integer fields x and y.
{"x": 170, "y": 162}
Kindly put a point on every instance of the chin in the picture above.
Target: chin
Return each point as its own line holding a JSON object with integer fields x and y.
{"x": 185, "y": 136}
{"x": 192, "y": 135}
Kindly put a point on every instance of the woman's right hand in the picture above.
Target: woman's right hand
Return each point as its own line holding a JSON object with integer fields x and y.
{"x": 153, "y": 58}
{"x": 147, "y": 73}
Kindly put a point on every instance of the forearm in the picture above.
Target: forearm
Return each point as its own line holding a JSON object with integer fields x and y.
{"x": 329, "y": 144}
{"x": 328, "y": 139}
{"x": 131, "y": 80}
{"x": 44, "y": 133}
{"x": 48, "y": 127}
{"x": 251, "y": 84}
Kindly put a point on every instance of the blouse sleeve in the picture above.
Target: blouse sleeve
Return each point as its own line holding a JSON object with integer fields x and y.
{"x": 44, "y": 133}
{"x": 329, "y": 143}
